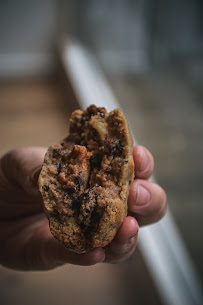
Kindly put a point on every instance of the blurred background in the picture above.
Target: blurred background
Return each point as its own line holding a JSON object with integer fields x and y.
{"x": 151, "y": 53}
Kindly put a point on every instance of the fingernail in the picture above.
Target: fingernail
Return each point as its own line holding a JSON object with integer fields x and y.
{"x": 133, "y": 238}
{"x": 35, "y": 175}
{"x": 143, "y": 195}
{"x": 144, "y": 162}
{"x": 103, "y": 259}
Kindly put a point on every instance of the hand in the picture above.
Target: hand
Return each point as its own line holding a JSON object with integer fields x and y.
{"x": 146, "y": 205}
{"x": 26, "y": 241}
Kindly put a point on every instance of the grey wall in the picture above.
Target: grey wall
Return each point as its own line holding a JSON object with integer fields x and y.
{"x": 134, "y": 34}
{"x": 27, "y": 36}
{"x": 127, "y": 35}
{"x": 178, "y": 26}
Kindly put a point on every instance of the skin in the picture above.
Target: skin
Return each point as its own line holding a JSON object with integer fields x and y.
{"x": 25, "y": 238}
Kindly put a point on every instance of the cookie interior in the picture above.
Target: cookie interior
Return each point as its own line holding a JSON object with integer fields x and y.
{"x": 85, "y": 179}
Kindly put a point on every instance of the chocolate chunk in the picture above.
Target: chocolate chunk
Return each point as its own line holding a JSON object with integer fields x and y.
{"x": 117, "y": 149}
{"x": 45, "y": 188}
{"x": 76, "y": 203}
{"x": 58, "y": 166}
{"x": 102, "y": 114}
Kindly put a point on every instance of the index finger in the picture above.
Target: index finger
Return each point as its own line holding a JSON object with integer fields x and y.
{"x": 144, "y": 162}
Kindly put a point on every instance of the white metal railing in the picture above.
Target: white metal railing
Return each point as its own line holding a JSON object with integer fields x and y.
{"x": 161, "y": 244}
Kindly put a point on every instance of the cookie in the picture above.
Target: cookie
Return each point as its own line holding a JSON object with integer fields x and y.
{"x": 85, "y": 179}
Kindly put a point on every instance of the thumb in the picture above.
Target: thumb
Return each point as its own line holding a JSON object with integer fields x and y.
{"x": 21, "y": 168}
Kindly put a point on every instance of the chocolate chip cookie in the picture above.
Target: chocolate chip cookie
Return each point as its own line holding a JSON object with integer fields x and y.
{"x": 85, "y": 179}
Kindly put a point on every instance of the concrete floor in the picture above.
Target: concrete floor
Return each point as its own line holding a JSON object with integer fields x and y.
{"x": 165, "y": 110}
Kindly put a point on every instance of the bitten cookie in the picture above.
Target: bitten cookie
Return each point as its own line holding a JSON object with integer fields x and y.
{"x": 85, "y": 179}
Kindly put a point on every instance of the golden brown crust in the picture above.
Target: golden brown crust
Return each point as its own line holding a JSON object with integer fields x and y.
{"x": 85, "y": 179}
